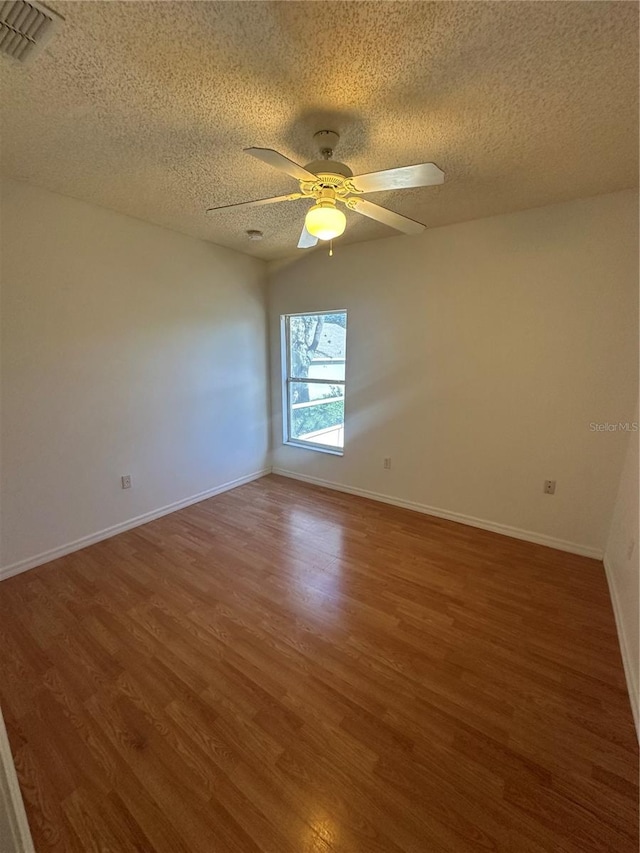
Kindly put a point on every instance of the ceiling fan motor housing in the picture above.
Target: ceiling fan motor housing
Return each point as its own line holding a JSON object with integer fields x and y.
{"x": 330, "y": 172}
{"x": 328, "y": 169}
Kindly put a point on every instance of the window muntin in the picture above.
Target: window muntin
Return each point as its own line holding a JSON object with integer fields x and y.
{"x": 314, "y": 379}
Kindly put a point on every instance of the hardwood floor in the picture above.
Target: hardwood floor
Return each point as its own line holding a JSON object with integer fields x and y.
{"x": 287, "y": 669}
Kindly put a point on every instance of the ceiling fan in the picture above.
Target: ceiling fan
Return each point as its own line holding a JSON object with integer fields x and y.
{"x": 328, "y": 182}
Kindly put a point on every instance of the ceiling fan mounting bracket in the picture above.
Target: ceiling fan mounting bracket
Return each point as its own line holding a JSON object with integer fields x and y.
{"x": 326, "y": 141}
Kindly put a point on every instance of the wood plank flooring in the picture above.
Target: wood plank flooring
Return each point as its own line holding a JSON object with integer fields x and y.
{"x": 285, "y": 669}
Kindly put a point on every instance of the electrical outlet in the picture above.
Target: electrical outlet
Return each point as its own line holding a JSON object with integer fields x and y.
{"x": 387, "y": 462}
{"x": 126, "y": 481}
{"x": 631, "y": 548}
{"x": 549, "y": 487}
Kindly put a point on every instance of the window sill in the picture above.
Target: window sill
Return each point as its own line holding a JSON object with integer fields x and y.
{"x": 306, "y": 445}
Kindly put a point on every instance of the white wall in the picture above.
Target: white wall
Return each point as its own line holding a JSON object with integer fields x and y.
{"x": 622, "y": 562}
{"x": 126, "y": 349}
{"x": 477, "y": 356}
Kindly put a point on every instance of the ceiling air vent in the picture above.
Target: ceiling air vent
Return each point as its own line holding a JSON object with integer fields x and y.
{"x": 25, "y": 28}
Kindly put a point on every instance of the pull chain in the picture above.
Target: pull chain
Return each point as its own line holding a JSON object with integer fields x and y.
{"x": 330, "y": 248}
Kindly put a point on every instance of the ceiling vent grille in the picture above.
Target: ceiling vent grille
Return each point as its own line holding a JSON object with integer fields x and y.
{"x": 25, "y": 28}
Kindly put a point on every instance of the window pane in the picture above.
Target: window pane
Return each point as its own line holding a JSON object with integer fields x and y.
{"x": 317, "y": 346}
{"x": 317, "y": 413}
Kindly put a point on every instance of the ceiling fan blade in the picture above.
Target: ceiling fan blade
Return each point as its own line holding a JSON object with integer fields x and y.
{"x": 279, "y": 161}
{"x": 306, "y": 240}
{"x": 404, "y": 177}
{"x": 257, "y": 202}
{"x": 388, "y": 217}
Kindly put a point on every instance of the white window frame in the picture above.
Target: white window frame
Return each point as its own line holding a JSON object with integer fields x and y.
{"x": 287, "y": 379}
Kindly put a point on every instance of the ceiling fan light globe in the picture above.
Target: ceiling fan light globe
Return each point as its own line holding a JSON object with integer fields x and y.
{"x": 325, "y": 222}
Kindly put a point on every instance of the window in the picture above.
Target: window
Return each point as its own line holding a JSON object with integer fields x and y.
{"x": 314, "y": 350}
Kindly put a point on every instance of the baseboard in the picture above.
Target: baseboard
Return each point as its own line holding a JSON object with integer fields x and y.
{"x": 632, "y": 687}
{"x": 483, "y": 524}
{"x": 14, "y": 827}
{"x": 108, "y": 532}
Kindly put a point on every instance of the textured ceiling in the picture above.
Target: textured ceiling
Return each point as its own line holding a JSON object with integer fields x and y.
{"x": 145, "y": 107}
